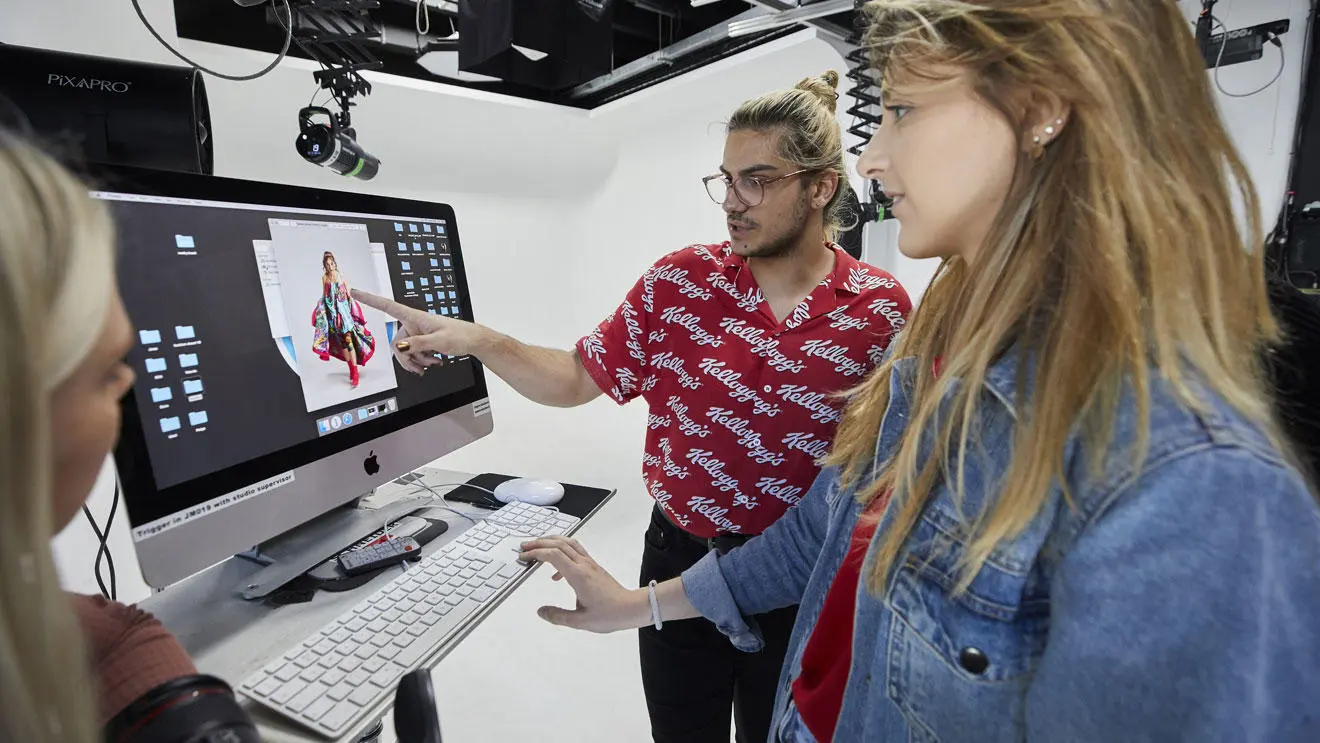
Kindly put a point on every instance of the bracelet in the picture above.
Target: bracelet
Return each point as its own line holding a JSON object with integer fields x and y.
{"x": 655, "y": 607}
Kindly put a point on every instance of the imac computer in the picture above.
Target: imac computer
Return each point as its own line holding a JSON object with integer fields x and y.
{"x": 265, "y": 396}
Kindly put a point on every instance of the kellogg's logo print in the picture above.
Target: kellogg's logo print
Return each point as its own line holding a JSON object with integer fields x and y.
{"x": 748, "y": 301}
{"x": 738, "y": 391}
{"x": 836, "y": 354}
{"x": 687, "y": 287}
{"x": 686, "y": 425}
{"x": 888, "y": 308}
{"x": 670, "y": 362}
{"x": 800, "y": 315}
{"x": 692, "y": 323}
{"x": 862, "y": 280}
{"x": 761, "y": 345}
{"x": 843, "y": 321}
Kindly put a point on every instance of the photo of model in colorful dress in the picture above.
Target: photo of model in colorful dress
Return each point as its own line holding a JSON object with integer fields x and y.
{"x": 341, "y": 328}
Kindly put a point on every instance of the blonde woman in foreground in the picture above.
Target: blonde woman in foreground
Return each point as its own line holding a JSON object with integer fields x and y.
{"x": 73, "y": 669}
{"x": 1060, "y": 510}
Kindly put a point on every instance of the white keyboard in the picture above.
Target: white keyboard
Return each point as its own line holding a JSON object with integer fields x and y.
{"x": 334, "y": 678}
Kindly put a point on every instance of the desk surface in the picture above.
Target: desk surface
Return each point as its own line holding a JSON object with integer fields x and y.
{"x": 231, "y": 638}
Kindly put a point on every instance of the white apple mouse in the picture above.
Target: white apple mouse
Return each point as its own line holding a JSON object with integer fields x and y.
{"x": 524, "y": 490}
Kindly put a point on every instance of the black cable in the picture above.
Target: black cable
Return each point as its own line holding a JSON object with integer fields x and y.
{"x": 96, "y": 570}
{"x": 103, "y": 549}
{"x": 288, "y": 41}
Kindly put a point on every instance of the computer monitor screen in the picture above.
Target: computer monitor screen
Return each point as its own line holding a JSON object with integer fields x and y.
{"x": 265, "y": 394}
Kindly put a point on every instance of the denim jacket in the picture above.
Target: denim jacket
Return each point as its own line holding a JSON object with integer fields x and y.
{"x": 1174, "y": 600}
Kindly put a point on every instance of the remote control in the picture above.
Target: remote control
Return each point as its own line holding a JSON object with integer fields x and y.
{"x": 389, "y": 552}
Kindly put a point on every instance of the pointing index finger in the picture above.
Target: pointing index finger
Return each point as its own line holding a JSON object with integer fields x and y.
{"x": 390, "y": 307}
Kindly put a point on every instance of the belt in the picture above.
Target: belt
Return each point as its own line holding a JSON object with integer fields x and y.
{"x": 720, "y": 543}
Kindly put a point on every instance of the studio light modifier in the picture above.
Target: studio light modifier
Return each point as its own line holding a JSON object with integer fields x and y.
{"x": 333, "y": 147}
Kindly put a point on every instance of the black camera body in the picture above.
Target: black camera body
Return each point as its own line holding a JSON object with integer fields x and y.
{"x": 188, "y": 709}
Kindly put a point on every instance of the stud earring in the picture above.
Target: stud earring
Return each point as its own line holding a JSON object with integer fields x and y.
{"x": 1035, "y": 139}
{"x": 1050, "y": 130}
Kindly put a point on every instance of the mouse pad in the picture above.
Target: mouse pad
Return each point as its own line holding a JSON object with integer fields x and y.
{"x": 578, "y": 500}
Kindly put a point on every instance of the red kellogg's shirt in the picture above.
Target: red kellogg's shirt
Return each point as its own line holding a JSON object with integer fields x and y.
{"x": 741, "y": 404}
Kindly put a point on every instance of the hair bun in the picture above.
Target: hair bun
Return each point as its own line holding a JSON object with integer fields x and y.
{"x": 825, "y": 88}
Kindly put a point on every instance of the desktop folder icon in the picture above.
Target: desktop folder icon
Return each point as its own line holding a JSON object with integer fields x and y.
{"x": 407, "y": 285}
{"x": 184, "y": 332}
{"x": 184, "y": 241}
{"x": 198, "y": 418}
{"x": 149, "y": 337}
{"x": 398, "y": 227}
{"x": 187, "y": 360}
{"x": 155, "y": 366}
{"x": 426, "y": 228}
{"x": 428, "y": 297}
{"x": 161, "y": 394}
{"x": 405, "y": 266}
{"x": 192, "y": 386}
{"x": 169, "y": 425}
{"x": 435, "y": 263}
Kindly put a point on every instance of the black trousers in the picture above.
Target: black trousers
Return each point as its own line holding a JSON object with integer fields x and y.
{"x": 693, "y": 676}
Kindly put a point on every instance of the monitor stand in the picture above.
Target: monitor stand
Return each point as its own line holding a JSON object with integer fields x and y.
{"x": 302, "y": 548}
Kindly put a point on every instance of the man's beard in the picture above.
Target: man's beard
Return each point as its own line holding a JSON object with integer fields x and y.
{"x": 786, "y": 242}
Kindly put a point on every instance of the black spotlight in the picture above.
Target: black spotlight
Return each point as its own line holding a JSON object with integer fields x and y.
{"x": 333, "y": 146}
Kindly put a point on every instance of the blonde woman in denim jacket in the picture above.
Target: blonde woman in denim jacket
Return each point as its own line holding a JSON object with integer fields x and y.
{"x": 1061, "y": 509}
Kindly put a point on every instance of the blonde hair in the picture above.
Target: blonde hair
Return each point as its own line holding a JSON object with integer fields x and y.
{"x": 1115, "y": 258}
{"x": 56, "y": 277}
{"x": 810, "y": 138}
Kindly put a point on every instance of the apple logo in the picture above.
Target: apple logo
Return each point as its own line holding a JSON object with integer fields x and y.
{"x": 370, "y": 464}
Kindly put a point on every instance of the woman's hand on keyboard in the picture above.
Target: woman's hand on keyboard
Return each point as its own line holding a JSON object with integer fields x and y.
{"x": 603, "y": 604}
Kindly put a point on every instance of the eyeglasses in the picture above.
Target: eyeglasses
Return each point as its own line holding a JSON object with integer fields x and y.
{"x": 749, "y": 189}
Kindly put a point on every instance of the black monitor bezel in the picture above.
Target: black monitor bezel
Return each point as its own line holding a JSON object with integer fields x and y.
{"x": 131, "y": 457}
